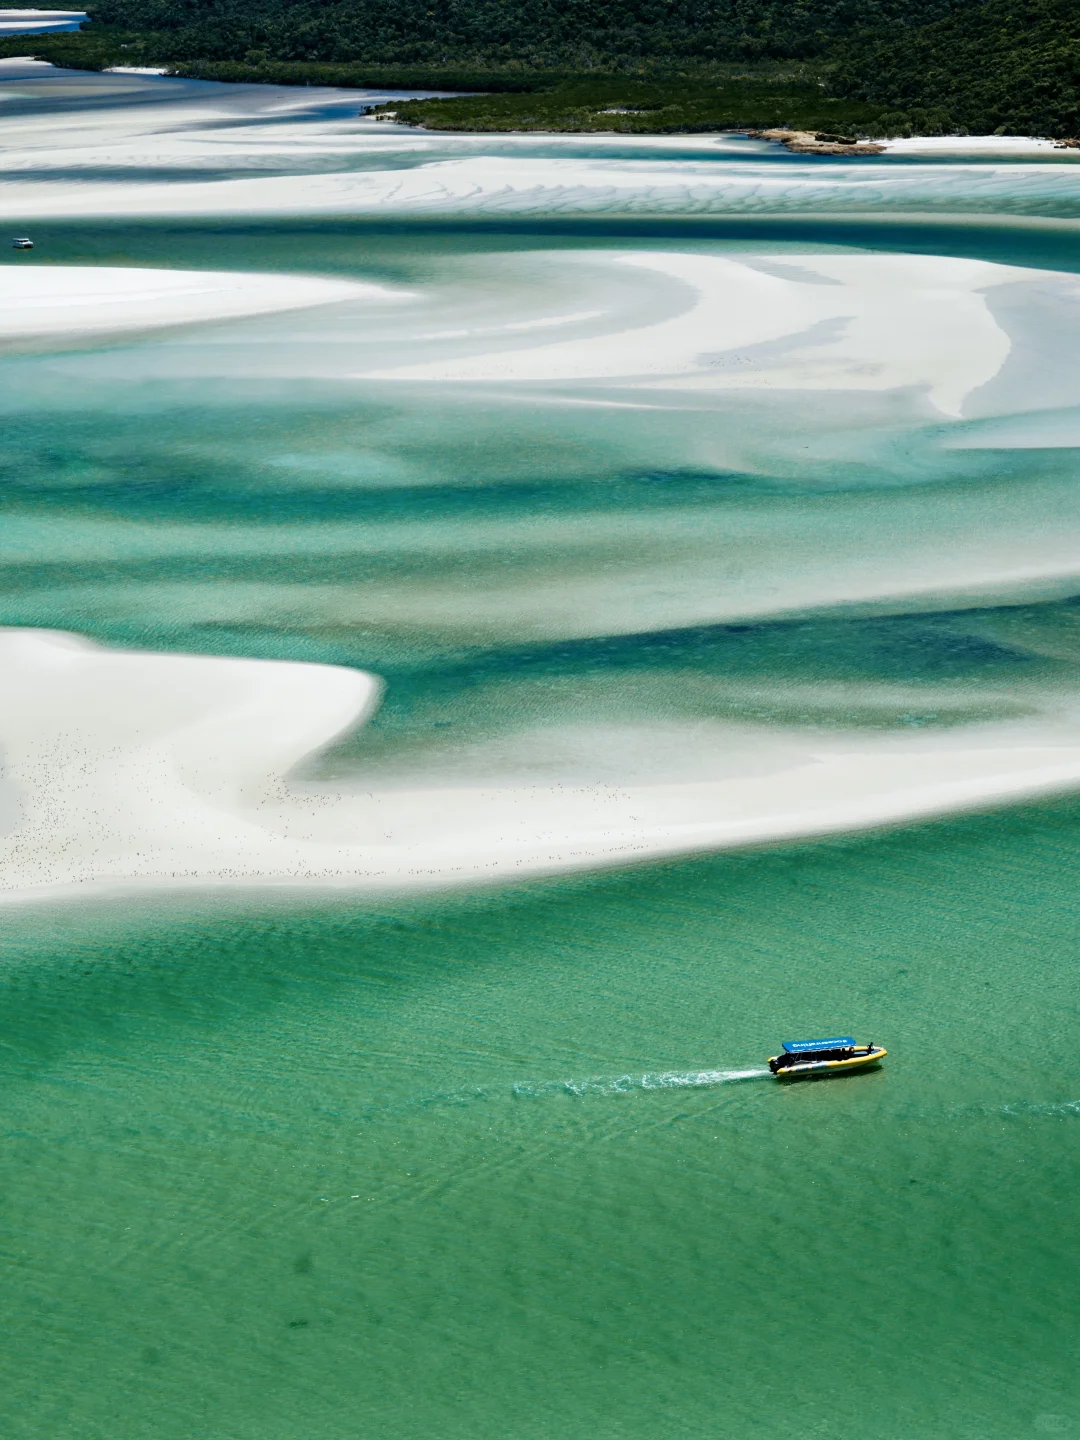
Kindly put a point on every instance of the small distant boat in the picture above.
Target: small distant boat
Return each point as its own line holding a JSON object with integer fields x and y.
{"x": 22, "y": 244}
{"x": 834, "y": 1056}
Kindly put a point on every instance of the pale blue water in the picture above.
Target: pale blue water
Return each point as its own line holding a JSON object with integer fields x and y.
{"x": 491, "y": 1164}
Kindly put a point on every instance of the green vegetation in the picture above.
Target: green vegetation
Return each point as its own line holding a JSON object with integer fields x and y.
{"x": 564, "y": 35}
{"x": 647, "y": 107}
{"x": 91, "y": 49}
{"x": 1003, "y": 66}
{"x": 355, "y": 76}
{"x": 872, "y": 67}
{"x": 99, "y": 47}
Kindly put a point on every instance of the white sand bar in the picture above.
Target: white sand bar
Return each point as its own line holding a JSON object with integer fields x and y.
{"x": 993, "y": 147}
{"x": 34, "y": 22}
{"x": 852, "y": 322}
{"x": 82, "y": 299}
{"x": 127, "y": 770}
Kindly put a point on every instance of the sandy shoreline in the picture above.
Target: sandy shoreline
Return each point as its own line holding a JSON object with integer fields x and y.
{"x": 991, "y": 146}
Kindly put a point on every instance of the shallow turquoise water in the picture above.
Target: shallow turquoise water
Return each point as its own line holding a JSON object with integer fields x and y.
{"x": 278, "y": 1170}
{"x": 479, "y": 1165}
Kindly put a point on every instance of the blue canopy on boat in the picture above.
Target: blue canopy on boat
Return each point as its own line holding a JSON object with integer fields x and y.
{"x": 838, "y": 1042}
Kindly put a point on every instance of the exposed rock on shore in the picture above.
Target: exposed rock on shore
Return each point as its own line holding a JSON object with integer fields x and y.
{"x": 810, "y": 142}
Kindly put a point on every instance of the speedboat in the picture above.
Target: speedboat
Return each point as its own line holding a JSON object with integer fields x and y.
{"x": 22, "y": 243}
{"x": 834, "y": 1056}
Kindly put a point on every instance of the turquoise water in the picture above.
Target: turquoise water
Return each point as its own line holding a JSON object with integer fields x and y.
{"x": 278, "y": 1170}
{"x": 505, "y": 1164}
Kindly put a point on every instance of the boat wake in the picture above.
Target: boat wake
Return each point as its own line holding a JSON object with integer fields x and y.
{"x": 621, "y": 1084}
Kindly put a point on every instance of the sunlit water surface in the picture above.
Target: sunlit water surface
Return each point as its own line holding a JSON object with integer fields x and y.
{"x": 506, "y": 1165}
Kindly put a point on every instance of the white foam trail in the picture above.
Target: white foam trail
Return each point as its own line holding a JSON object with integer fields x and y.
{"x": 623, "y": 1084}
{"x": 1028, "y": 1108}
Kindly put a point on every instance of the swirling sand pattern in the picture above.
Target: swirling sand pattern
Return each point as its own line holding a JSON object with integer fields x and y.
{"x": 672, "y": 346}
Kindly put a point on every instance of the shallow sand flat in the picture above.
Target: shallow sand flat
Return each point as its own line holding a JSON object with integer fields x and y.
{"x": 900, "y": 550}
{"x": 525, "y": 187}
{"x": 132, "y": 120}
{"x": 678, "y": 332}
{"x": 126, "y": 769}
{"x": 226, "y": 132}
{"x": 854, "y": 322}
{"x": 74, "y": 299}
{"x": 528, "y": 185}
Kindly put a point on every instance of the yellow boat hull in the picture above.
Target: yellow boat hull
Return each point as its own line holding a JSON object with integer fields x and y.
{"x": 823, "y": 1068}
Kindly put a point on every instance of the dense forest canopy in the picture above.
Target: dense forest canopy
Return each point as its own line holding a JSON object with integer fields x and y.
{"x": 870, "y": 67}
{"x": 1000, "y": 65}
{"x": 565, "y": 33}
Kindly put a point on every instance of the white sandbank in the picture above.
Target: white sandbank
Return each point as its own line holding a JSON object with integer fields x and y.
{"x": 825, "y": 322}
{"x": 33, "y": 22}
{"x": 127, "y": 770}
{"x": 852, "y": 322}
{"x": 42, "y": 301}
{"x": 994, "y": 147}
